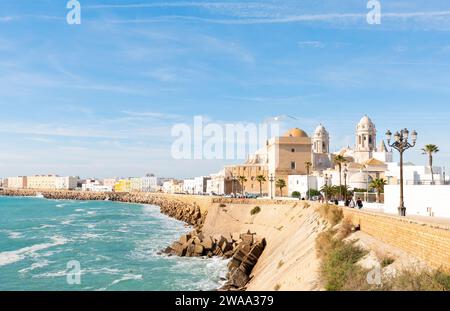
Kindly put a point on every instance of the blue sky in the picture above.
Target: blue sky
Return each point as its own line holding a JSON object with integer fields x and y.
{"x": 99, "y": 99}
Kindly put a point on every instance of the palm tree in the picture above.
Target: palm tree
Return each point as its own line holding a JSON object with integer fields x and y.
{"x": 280, "y": 184}
{"x": 430, "y": 150}
{"x": 328, "y": 191}
{"x": 339, "y": 160}
{"x": 260, "y": 179}
{"x": 242, "y": 180}
{"x": 378, "y": 185}
{"x": 308, "y": 165}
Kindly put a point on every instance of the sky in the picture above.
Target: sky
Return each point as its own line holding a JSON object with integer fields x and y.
{"x": 99, "y": 99}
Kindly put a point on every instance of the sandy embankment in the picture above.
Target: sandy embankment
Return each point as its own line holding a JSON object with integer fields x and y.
{"x": 289, "y": 261}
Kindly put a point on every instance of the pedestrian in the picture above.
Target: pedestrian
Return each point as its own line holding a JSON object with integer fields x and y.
{"x": 352, "y": 203}
{"x": 359, "y": 203}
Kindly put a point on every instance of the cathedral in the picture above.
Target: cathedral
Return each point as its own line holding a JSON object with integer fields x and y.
{"x": 287, "y": 155}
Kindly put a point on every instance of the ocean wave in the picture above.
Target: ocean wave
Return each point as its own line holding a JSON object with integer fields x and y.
{"x": 12, "y": 234}
{"x": 126, "y": 277}
{"x": 10, "y": 257}
{"x": 36, "y": 265}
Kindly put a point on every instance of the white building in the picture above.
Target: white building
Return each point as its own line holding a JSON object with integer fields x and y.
{"x": 423, "y": 200}
{"x": 19, "y": 182}
{"x": 189, "y": 186}
{"x": 414, "y": 174}
{"x": 66, "y": 183}
{"x": 302, "y": 183}
{"x": 216, "y": 183}
{"x": 149, "y": 183}
{"x": 97, "y": 188}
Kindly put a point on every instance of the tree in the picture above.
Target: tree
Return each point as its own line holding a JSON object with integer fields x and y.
{"x": 242, "y": 180}
{"x": 313, "y": 193}
{"x": 260, "y": 179}
{"x": 430, "y": 150}
{"x": 308, "y": 166}
{"x": 296, "y": 194}
{"x": 339, "y": 160}
{"x": 328, "y": 191}
{"x": 378, "y": 185}
{"x": 280, "y": 184}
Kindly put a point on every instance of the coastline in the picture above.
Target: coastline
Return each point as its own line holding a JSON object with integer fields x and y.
{"x": 242, "y": 250}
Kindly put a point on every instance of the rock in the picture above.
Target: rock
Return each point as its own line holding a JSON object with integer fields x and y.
{"x": 184, "y": 238}
{"x": 247, "y": 238}
{"x": 198, "y": 250}
{"x": 207, "y": 243}
{"x": 238, "y": 278}
{"x": 178, "y": 249}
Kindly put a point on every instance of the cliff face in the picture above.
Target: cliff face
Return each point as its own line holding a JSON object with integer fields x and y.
{"x": 289, "y": 260}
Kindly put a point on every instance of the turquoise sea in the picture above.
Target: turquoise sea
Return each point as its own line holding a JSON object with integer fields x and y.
{"x": 115, "y": 244}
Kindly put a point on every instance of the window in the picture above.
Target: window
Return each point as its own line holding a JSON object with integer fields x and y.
{"x": 292, "y": 150}
{"x": 293, "y": 165}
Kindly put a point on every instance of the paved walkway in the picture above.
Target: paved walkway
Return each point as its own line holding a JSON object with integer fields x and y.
{"x": 427, "y": 219}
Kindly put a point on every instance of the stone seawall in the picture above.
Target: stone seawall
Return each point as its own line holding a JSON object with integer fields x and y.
{"x": 427, "y": 241}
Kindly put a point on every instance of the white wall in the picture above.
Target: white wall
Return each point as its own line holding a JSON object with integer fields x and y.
{"x": 418, "y": 198}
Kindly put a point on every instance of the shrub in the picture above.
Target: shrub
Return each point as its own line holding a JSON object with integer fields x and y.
{"x": 332, "y": 213}
{"x": 277, "y": 287}
{"x": 255, "y": 210}
{"x": 280, "y": 264}
{"x": 419, "y": 280}
{"x": 346, "y": 228}
{"x": 339, "y": 269}
{"x": 222, "y": 205}
{"x": 296, "y": 194}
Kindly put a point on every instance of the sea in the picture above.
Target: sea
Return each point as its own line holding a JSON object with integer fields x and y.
{"x": 65, "y": 245}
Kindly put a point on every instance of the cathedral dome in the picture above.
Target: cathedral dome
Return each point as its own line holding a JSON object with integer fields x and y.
{"x": 320, "y": 130}
{"x": 296, "y": 132}
{"x": 366, "y": 123}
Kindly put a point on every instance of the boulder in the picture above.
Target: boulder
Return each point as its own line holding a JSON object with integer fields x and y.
{"x": 238, "y": 278}
{"x": 184, "y": 238}
{"x": 207, "y": 243}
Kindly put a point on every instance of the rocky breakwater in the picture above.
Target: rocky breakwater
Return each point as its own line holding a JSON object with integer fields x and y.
{"x": 243, "y": 250}
{"x": 175, "y": 208}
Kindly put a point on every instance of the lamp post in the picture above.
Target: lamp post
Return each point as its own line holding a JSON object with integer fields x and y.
{"x": 401, "y": 144}
{"x": 271, "y": 179}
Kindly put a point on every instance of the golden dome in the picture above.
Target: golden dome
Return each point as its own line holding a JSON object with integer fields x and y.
{"x": 296, "y": 132}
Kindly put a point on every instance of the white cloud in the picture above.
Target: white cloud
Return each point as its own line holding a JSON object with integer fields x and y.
{"x": 312, "y": 44}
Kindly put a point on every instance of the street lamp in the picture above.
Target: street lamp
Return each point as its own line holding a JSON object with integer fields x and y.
{"x": 271, "y": 179}
{"x": 401, "y": 144}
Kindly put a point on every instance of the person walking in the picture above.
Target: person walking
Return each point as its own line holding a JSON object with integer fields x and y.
{"x": 352, "y": 203}
{"x": 359, "y": 203}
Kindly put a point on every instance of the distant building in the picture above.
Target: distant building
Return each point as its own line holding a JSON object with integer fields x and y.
{"x": 123, "y": 185}
{"x": 189, "y": 186}
{"x": 216, "y": 184}
{"x": 149, "y": 183}
{"x": 19, "y": 182}
{"x": 173, "y": 186}
{"x": 51, "y": 182}
{"x": 136, "y": 184}
{"x": 109, "y": 182}
{"x": 66, "y": 183}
